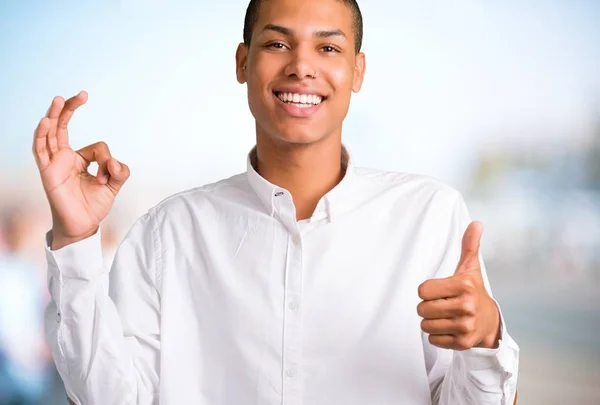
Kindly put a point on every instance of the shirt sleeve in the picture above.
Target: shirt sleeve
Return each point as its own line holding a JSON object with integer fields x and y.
{"x": 478, "y": 375}
{"x": 102, "y": 325}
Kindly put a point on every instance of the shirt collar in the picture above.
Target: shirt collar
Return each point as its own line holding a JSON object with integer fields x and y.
{"x": 334, "y": 203}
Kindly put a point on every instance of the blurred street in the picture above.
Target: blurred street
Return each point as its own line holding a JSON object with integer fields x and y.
{"x": 499, "y": 99}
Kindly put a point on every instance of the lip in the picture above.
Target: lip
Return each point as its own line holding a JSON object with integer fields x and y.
{"x": 294, "y": 111}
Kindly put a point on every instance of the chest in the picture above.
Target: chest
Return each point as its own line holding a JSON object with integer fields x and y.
{"x": 316, "y": 311}
{"x": 345, "y": 276}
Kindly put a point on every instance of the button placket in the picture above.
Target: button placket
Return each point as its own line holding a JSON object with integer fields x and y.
{"x": 293, "y": 305}
{"x": 292, "y": 328}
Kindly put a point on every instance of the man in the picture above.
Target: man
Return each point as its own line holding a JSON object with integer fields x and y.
{"x": 305, "y": 280}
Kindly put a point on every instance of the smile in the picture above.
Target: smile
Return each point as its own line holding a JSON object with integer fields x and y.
{"x": 300, "y": 100}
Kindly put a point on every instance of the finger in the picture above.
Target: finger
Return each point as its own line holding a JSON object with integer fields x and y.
{"x": 450, "y": 326}
{"x": 40, "y": 144}
{"x": 471, "y": 242}
{"x": 55, "y": 107}
{"x": 438, "y": 288}
{"x": 452, "y": 342}
{"x": 65, "y": 116}
{"x": 97, "y": 152}
{"x": 440, "y": 309}
{"x": 119, "y": 173}
{"x": 442, "y": 341}
{"x": 53, "y": 113}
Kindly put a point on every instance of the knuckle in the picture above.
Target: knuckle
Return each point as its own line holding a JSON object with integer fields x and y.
{"x": 125, "y": 170}
{"x": 468, "y": 285}
{"x": 462, "y": 327}
{"x": 102, "y": 151}
{"x": 101, "y": 146}
{"x": 466, "y": 326}
{"x": 468, "y": 307}
{"x": 463, "y": 343}
{"x": 470, "y": 325}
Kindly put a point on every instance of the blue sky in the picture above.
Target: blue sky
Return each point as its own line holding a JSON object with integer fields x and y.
{"x": 444, "y": 80}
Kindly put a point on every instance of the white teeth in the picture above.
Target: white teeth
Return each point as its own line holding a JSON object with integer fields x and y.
{"x": 303, "y": 100}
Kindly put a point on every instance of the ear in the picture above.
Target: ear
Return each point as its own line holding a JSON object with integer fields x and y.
{"x": 241, "y": 59}
{"x": 360, "y": 66}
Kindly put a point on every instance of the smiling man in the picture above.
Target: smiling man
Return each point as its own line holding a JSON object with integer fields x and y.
{"x": 304, "y": 280}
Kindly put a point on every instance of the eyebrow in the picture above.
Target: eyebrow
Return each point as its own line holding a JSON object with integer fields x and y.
{"x": 288, "y": 32}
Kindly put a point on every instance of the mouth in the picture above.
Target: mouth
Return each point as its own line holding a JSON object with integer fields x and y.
{"x": 300, "y": 100}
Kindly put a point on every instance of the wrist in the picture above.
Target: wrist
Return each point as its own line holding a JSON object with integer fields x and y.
{"x": 59, "y": 240}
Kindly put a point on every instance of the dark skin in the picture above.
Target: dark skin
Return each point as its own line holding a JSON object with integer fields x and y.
{"x": 310, "y": 45}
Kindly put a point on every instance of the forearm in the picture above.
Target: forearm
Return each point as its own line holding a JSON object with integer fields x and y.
{"x": 84, "y": 331}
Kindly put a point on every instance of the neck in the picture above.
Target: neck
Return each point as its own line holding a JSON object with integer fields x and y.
{"x": 307, "y": 171}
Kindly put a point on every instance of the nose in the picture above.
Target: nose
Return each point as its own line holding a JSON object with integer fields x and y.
{"x": 301, "y": 66}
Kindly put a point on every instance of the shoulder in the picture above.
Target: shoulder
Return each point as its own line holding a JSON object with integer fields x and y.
{"x": 408, "y": 186}
{"x": 203, "y": 197}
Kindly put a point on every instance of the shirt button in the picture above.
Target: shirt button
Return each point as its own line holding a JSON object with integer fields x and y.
{"x": 291, "y": 372}
{"x": 296, "y": 239}
{"x": 279, "y": 194}
{"x": 58, "y": 317}
{"x": 293, "y": 305}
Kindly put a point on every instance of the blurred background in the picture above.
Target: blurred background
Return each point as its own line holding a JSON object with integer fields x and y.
{"x": 500, "y": 99}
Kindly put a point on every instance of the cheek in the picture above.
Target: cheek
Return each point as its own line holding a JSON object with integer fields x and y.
{"x": 256, "y": 96}
{"x": 258, "y": 82}
{"x": 342, "y": 78}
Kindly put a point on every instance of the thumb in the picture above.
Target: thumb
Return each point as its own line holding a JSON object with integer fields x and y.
{"x": 119, "y": 173}
{"x": 471, "y": 242}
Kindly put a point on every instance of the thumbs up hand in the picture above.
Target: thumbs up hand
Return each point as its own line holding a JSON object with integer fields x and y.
{"x": 457, "y": 311}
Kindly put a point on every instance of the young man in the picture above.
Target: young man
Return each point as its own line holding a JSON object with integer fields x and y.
{"x": 304, "y": 280}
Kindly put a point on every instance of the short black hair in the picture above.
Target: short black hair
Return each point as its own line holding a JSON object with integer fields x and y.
{"x": 254, "y": 7}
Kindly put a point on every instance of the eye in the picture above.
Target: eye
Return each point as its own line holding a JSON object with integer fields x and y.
{"x": 276, "y": 45}
{"x": 329, "y": 49}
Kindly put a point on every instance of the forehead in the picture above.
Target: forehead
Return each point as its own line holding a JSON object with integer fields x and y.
{"x": 306, "y": 16}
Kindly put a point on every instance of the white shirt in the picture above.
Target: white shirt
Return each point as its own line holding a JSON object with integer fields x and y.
{"x": 219, "y": 296}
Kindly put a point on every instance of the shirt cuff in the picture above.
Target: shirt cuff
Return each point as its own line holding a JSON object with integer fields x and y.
{"x": 505, "y": 356}
{"x": 82, "y": 260}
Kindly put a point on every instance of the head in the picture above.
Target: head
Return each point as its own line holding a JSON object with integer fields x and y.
{"x": 301, "y": 62}
{"x": 15, "y": 224}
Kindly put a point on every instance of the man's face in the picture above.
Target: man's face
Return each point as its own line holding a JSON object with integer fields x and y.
{"x": 301, "y": 69}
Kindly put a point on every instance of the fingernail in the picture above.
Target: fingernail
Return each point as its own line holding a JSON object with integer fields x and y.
{"x": 117, "y": 166}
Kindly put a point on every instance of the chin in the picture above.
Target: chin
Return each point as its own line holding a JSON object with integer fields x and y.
{"x": 300, "y": 135}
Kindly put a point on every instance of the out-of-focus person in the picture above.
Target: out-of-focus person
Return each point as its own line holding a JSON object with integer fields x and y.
{"x": 24, "y": 358}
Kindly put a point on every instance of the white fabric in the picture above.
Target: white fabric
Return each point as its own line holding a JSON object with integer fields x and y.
{"x": 219, "y": 296}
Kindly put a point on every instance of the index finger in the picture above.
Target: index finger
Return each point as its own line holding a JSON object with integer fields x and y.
{"x": 439, "y": 288}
